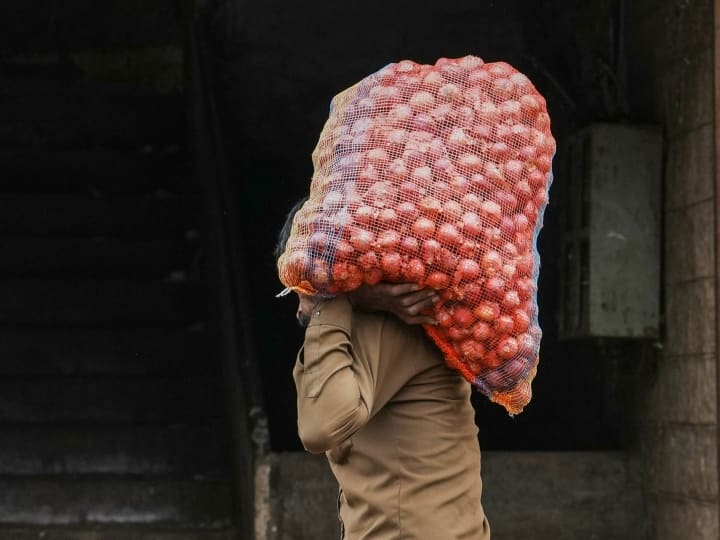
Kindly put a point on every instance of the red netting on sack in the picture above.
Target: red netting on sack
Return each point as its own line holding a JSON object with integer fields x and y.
{"x": 437, "y": 175}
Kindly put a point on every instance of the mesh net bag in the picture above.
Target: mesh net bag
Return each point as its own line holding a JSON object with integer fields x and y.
{"x": 437, "y": 175}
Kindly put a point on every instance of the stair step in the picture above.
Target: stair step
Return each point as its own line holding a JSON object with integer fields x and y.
{"x": 112, "y": 500}
{"x": 115, "y": 400}
{"x": 73, "y": 215}
{"x": 98, "y": 257}
{"x": 97, "y": 170}
{"x": 98, "y": 302}
{"x": 115, "y": 533}
{"x": 183, "y": 451}
{"x": 80, "y": 119}
{"x": 86, "y": 25}
{"x": 73, "y": 351}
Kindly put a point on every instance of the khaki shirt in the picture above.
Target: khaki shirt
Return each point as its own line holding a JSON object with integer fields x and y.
{"x": 369, "y": 383}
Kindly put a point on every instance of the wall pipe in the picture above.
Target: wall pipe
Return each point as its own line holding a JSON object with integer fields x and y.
{"x": 716, "y": 154}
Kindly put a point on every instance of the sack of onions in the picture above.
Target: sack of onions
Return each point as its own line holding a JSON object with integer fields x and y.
{"x": 438, "y": 175}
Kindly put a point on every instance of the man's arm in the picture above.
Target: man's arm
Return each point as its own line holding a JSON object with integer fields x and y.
{"x": 334, "y": 398}
{"x": 334, "y": 389}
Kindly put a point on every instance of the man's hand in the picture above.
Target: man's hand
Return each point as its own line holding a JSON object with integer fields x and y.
{"x": 407, "y": 301}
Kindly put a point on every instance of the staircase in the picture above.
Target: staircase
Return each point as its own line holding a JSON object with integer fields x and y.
{"x": 112, "y": 416}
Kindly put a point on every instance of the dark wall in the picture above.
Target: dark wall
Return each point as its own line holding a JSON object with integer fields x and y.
{"x": 281, "y": 63}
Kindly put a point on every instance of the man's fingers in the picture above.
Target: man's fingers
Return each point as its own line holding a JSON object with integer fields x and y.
{"x": 420, "y": 319}
{"x": 426, "y": 296}
{"x": 401, "y": 289}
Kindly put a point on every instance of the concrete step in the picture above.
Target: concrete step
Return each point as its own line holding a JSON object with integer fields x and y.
{"x": 526, "y": 495}
{"x": 80, "y": 118}
{"x": 88, "y": 25}
{"x": 95, "y": 257}
{"x": 115, "y": 533}
{"x": 103, "y": 500}
{"x": 76, "y": 351}
{"x": 186, "y": 451}
{"x": 98, "y": 303}
{"x": 93, "y": 171}
{"x": 109, "y": 400}
{"x": 74, "y": 215}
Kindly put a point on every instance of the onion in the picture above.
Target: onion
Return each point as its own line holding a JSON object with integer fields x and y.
{"x": 414, "y": 271}
{"x": 451, "y": 210}
{"x": 441, "y": 112}
{"x": 521, "y": 321}
{"x": 488, "y": 112}
{"x": 423, "y": 121}
{"x": 400, "y": 114}
{"x": 527, "y": 346}
{"x": 407, "y": 211}
{"x": 471, "y": 161}
{"x": 443, "y": 167}
{"x": 410, "y": 245}
{"x": 504, "y": 324}
{"x": 422, "y": 175}
{"x": 344, "y": 250}
{"x": 320, "y": 273}
{"x": 513, "y": 169}
{"x": 471, "y": 202}
{"x": 511, "y": 301}
{"x": 430, "y": 251}
{"x": 491, "y": 212}
{"x": 388, "y": 240}
{"x": 340, "y": 271}
{"x": 491, "y": 263}
{"x": 463, "y": 317}
{"x": 471, "y": 224}
{"x": 458, "y": 138}
{"x": 522, "y": 224}
{"x": 437, "y": 280}
{"x": 430, "y": 206}
{"x": 443, "y": 318}
{"x": 481, "y": 331}
{"x": 491, "y": 360}
{"x": 391, "y": 264}
{"x": 423, "y": 100}
{"x": 361, "y": 239}
{"x": 433, "y": 80}
{"x": 471, "y": 350}
{"x": 529, "y": 104}
{"x": 457, "y": 333}
{"x": 487, "y": 311}
{"x": 495, "y": 287}
{"x": 510, "y": 108}
{"x": 468, "y": 269}
{"x": 499, "y": 151}
{"x": 507, "y": 347}
{"x": 449, "y": 235}
{"x": 397, "y": 170}
{"x": 525, "y": 288}
{"x": 450, "y": 92}
{"x": 377, "y": 156}
{"x": 410, "y": 191}
{"x": 373, "y": 276}
{"x": 423, "y": 227}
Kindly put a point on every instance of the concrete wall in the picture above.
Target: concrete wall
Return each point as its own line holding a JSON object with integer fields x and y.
{"x": 671, "y": 82}
{"x": 526, "y": 495}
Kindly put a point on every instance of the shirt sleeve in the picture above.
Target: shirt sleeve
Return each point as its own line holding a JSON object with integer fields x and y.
{"x": 334, "y": 396}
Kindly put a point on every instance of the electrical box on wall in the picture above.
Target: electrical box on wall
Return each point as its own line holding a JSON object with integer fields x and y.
{"x": 610, "y": 268}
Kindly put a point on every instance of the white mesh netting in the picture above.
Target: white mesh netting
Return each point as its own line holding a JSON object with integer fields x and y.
{"x": 438, "y": 175}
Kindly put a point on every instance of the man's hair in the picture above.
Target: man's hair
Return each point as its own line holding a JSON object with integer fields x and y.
{"x": 284, "y": 234}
